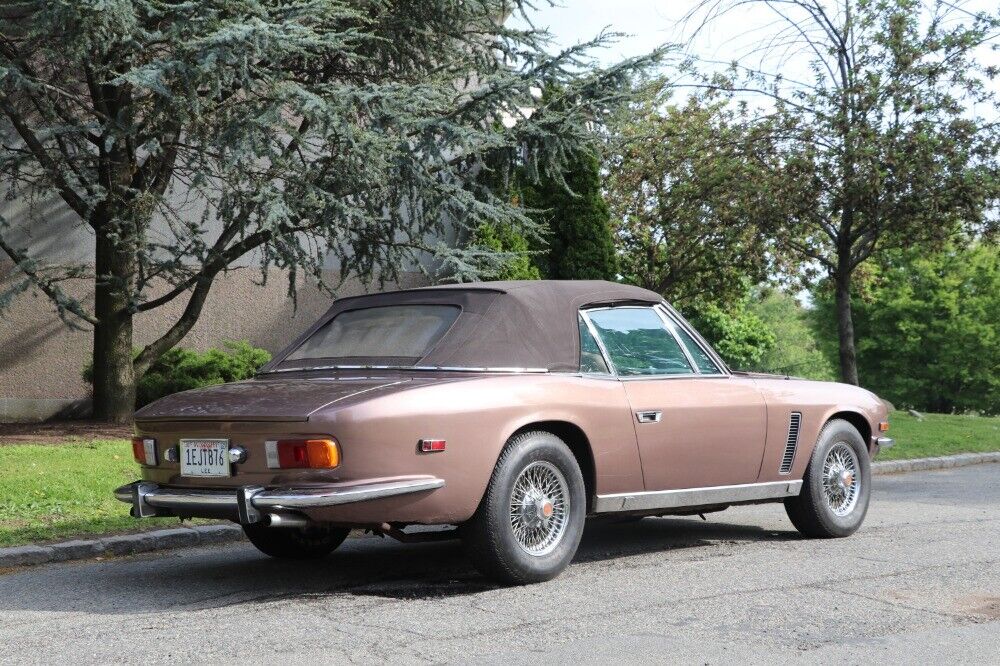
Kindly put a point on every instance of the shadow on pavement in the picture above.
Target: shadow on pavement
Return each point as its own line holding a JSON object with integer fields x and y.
{"x": 207, "y": 578}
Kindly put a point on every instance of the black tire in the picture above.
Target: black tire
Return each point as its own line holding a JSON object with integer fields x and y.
{"x": 811, "y": 511}
{"x": 489, "y": 536}
{"x": 296, "y": 543}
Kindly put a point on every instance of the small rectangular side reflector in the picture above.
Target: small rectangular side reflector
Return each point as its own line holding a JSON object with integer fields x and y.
{"x": 883, "y": 426}
{"x": 432, "y": 445}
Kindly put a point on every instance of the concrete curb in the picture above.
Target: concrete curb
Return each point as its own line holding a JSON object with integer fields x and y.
{"x": 942, "y": 462}
{"x": 185, "y": 537}
{"x": 119, "y": 544}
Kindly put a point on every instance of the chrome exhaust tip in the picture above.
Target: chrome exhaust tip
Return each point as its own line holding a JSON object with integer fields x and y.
{"x": 286, "y": 520}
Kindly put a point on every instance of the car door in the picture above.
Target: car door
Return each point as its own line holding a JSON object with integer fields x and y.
{"x": 696, "y": 425}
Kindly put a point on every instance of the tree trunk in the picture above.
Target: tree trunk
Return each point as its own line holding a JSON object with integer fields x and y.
{"x": 845, "y": 326}
{"x": 114, "y": 377}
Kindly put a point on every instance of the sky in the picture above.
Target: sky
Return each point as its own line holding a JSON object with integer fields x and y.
{"x": 649, "y": 23}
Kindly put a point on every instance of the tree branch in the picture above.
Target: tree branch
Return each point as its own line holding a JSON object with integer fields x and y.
{"x": 48, "y": 287}
{"x": 176, "y": 333}
{"x": 68, "y": 194}
{"x": 812, "y": 254}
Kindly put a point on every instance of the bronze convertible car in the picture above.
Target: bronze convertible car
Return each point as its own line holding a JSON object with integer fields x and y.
{"x": 511, "y": 410}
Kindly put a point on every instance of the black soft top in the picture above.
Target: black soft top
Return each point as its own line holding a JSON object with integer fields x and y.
{"x": 511, "y": 324}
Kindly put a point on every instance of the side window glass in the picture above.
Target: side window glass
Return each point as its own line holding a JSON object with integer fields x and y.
{"x": 639, "y": 343}
{"x": 591, "y": 359}
{"x": 704, "y": 362}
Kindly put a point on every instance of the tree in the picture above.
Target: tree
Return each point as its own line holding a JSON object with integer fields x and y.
{"x": 928, "y": 324}
{"x": 740, "y": 336}
{"x": 576, "y": 223}
{"x": 886, "y": 149}
{"x": 303, "y": 129}
{"x": 797, "y": 349}
{"x": 691, "y": 198}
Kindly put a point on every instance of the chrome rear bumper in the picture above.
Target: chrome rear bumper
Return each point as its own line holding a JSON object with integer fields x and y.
{"x": 252, "y": 504}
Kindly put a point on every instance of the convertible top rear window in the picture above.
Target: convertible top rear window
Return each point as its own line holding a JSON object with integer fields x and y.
{"x": 388, "y": 332}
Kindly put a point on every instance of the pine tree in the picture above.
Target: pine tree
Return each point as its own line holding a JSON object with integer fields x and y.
{"x": 571, "y": 206}
{"x": 304, "y": 128}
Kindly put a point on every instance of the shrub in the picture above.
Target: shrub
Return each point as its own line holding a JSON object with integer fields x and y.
{"x": 182, "y": 369}
{"x": 505, "y": 238}
{"x": 739, "y": 335}
{"x": 581, "y": 245}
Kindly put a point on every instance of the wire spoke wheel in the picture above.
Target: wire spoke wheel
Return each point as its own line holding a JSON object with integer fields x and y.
{"x": 841, "y": 479}
{"x": 539, "y": 508}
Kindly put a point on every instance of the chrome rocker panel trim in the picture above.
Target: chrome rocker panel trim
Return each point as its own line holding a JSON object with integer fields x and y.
{"x": 690, "y": 497}
{"x": 190, "y": 501}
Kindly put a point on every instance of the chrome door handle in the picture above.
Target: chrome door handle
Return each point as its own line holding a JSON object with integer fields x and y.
{"x": 651, "y": 416}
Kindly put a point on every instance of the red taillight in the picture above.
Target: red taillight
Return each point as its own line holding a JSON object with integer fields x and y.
{"x": 144, "y": 450}
{"x": 432, "y": 445}
{"x": 293, "y": 454}
{"x": 298, "y": 453}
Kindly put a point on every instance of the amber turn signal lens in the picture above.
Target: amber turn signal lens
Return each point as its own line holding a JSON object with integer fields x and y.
{"x": 322, "y": 453}
{"x": 883, "y": 426}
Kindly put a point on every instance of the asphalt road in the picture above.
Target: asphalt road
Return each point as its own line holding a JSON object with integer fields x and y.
{"x": 919, "y": 583}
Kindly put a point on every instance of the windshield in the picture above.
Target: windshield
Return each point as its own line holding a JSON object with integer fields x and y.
{"x": 402, "y": 333}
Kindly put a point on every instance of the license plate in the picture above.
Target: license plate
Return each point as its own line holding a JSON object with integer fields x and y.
{"x": 204, "y": 457}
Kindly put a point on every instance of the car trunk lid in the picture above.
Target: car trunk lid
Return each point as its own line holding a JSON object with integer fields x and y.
{"x": 260, "y": 399}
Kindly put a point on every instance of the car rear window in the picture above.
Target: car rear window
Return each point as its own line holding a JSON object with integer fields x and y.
{"x": 399, "y": 332}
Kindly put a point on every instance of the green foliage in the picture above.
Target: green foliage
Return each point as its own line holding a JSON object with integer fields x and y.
{"x": 796, "y": 350}
{"x": 355, "y": 127}
{"x": 511, "y": 253}
{"x": 575, "y": 219}
{"x": 182, "y": 369}
{"x": 929, "y": 328}
{"x": 692, "y": 197}
{"x": 890, "y": 142}
{"x": 740, "y": 336}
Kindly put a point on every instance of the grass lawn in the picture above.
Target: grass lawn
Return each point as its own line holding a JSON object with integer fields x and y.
{"x": 941, "y": 435}
{"x": 59, "y": 491}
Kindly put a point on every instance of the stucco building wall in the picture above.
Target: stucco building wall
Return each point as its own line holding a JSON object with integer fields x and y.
{"x": 41, "y": 358}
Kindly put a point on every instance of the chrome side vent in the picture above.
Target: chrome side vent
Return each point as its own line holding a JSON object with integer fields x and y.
{"x": 794, "y": 423}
